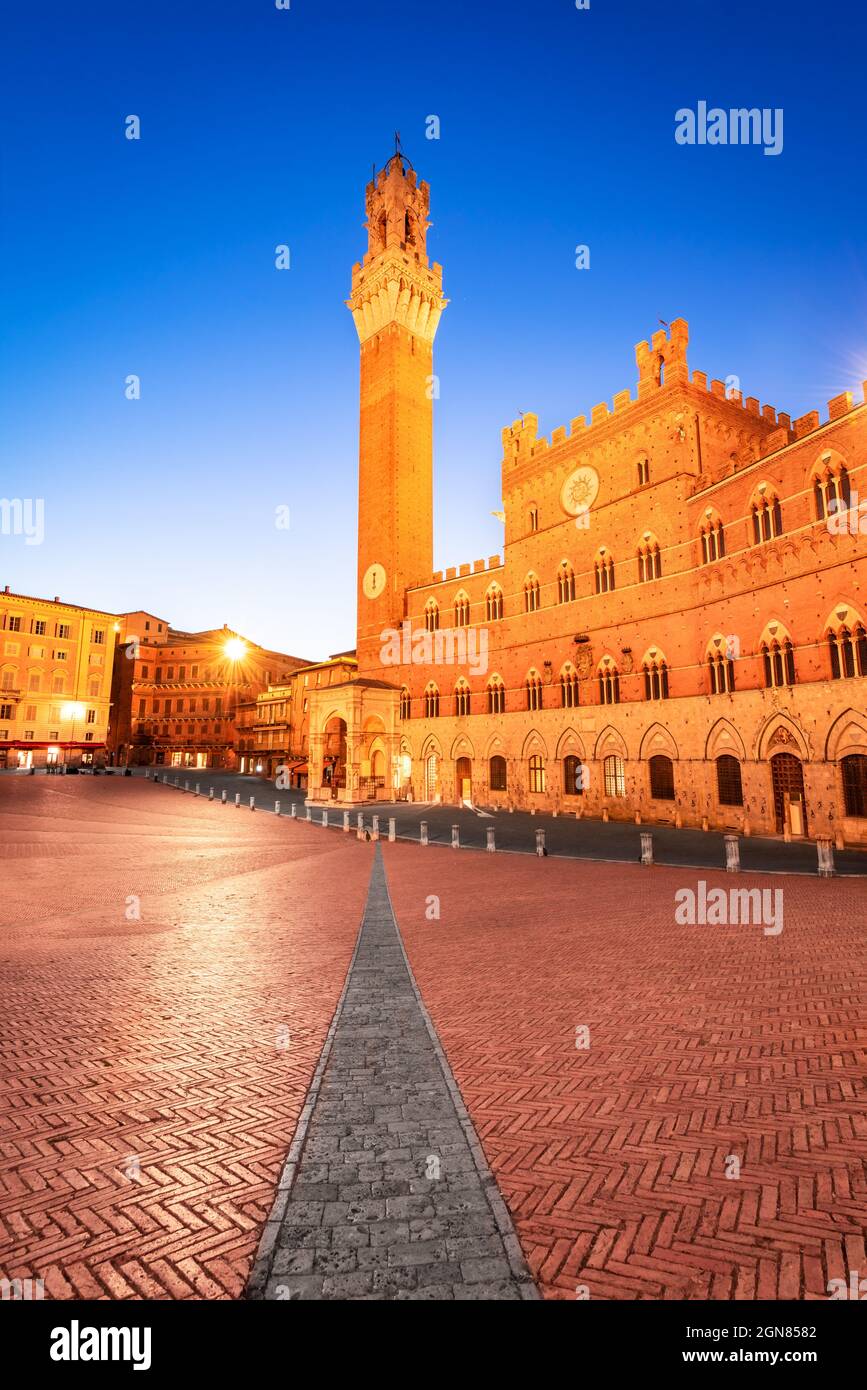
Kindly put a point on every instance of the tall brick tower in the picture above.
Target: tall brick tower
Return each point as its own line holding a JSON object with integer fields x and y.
{"x": 396, "y": 303}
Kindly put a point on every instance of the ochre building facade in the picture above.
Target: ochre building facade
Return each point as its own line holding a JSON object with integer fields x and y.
{"x": 677, "y": 627}
{"x": 176, "y": 695}
{"x": 55, "y": 682}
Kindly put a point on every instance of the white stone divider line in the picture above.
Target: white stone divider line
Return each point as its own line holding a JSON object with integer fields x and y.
{"x": 383, "y": 1088}
{"x": 505, "y": 1225}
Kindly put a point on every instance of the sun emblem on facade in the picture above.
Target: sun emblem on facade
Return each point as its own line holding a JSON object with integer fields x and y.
{"x": 578, "y": 492}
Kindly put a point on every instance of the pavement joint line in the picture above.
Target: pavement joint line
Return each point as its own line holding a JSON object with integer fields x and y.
{"x": 500, "y": 1211}
{"x": 264, "y": 1256}
{"x": 380, "y": 993}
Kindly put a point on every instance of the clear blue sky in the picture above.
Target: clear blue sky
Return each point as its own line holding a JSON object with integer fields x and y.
{"x": 259, "y": 127}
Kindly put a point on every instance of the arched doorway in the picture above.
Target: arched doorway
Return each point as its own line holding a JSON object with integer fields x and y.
{"x": 377, "y": 768}
{"x": 334, "y": 755}
{"x": 787, "y": 778}
{"x": 431, "y": 777}
{"x": 464, "y": 778}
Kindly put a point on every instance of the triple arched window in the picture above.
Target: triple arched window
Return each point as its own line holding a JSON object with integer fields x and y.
{"x": 462, "y": 699}
{"x": 609, "y": 683}
{"x": 462, "y": 610}
{"x": 713, "y": 541}
{"x": 832, "y": 490}
{"x": 405, "y": 703}
{"x": 656, "y": 679}
{"x": 569, "y": 687}
{"x": 848, "y": 647}
{"x": 767, "y": 517}
{"x": 778, "y": 658}
{"x": 494, "y": 603}
{"x": 721, "y": 668}
{"x": 496, "y": 696}
{"x": 565, "y": 583}
{"x": 431, "y": 615}
{"x": 531, "y": 593}
{"x": 604, "y": 572}
{"x": 649, "y": 561}
{"x": 534, "y": 690}
{"x": 431, "y": 702}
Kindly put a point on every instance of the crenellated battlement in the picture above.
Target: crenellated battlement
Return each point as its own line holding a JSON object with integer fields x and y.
{"x": 493, "y": 562}
{"x": 661, "y": 363}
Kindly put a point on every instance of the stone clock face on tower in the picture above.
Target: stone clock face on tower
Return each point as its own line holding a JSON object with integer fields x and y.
{"x": 578, "y": 492}
{"x": 373, "y": 583}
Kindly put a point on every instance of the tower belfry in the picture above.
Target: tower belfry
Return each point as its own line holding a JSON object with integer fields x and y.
{"x": 396, "y": 303}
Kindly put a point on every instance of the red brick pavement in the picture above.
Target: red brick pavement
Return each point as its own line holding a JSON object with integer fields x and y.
{"x": 704, "y": 1042}
{"x": 156, "y": 1040}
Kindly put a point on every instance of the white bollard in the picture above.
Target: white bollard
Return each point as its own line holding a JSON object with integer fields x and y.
{"x": 276, "y": 808}
{"x": 376, "y": 827}
{"x": 825, "y": 850}
{"x": 294, "y": 811}
{"x": 165, "y": 781}
{"x": 197, "y": 789}
{"x": 186, "y": 786}
{"x": 491, "y": 846}
{"x": 422, "y": 833}
{"x": 456, "y": 837}
{"x": 252, "y": 803}
{"x": 540, "y": 844}
{"x": 646, "y": 847}
{"x": 237, "y": 798}
{"x": 345, "y": 820}
{"x": 325, "y": 819}
{"x": 308, "y": 816}
{"x": 733, "y": 854}
{"x": 391, "y": 829}
{"x": 224, "y": 796}
{"x": 359, "y": 821}
{"x": 210, "y": 793}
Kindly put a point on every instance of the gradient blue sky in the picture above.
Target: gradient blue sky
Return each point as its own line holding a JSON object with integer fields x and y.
{"x": 259, "y": 126}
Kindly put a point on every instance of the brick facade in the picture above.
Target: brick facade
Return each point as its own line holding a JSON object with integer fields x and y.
{"x": 681, "y": 555}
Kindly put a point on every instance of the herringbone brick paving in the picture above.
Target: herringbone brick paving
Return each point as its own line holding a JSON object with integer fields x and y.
{"x": 153, "y": 1069}
{"x": 704, "y": 1042}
